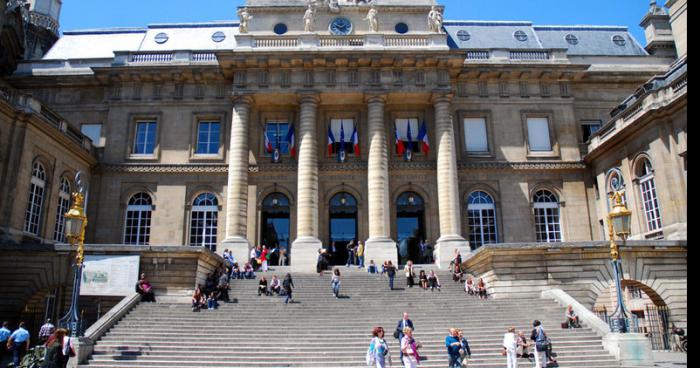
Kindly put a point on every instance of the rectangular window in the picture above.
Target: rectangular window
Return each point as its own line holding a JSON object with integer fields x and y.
{"x": 277, "y": 134}
{"x": 208, "y": 137}
{"x": 538, "y": 134}
{"x": 475, "y": 136}
{"x": 145, "y": 140}
{"x": 402, "y": 128}
{"x": 94, "y": 132}
{"x": 589, "y": 128}
{"x": 348, "y": 127}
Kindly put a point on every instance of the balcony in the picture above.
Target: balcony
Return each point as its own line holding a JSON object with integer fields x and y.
{"x": 370, "y": 41}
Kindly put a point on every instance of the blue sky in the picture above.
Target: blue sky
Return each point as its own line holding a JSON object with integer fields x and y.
{"x": 83, "y": 14}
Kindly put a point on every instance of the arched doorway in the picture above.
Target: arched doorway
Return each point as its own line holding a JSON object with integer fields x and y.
{"x": 644, "y": 305}
{"x": 274, "y": 229}
{"x": 410, "y": 228}
{"x": 343, "y": 226}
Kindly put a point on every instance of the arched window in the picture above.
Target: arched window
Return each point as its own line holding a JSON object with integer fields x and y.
{"x": 547, "y": 224}
{"x": 647, "y": 188}
{"x": 203, "y": 226}
{"x": 137, "y": 228}
{"x": 481, "y": 217}
{"x": 63, "y": 206}
{"x": 32, "y": 218}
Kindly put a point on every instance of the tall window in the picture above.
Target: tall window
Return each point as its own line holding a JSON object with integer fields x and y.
{"x": 137, "y": 228}
{"x": 475, "y": 138}
{"x": 538, "y": 134}
{"x": 547, "y": 224}
{"x": 402, "y": 129}
{"x": 277, "y": 134}
{"x": 63, "y": 206}
{"x": 481, "y": 212}
{"x": 647, "y": 187}
{"x": 145, "y": 140}
{"x": 32, "y": 217}
{"x": 208, "y": 137}
{"x": 203, "y": 226}
{"x": 348, "y": 126}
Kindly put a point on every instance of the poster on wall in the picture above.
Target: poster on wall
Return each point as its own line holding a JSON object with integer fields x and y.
{"x": 109, "y": 275}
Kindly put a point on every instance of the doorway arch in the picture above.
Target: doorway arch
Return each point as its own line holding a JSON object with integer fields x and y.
{"x": 275, "y": 225}
{"x": 342, "y": 225}
{"x": 410, "y": 227}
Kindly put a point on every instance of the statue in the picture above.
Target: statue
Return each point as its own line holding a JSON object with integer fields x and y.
{"x": 435, "y": 20}
{"x": 309, "y": 19}
{"x": 372, "y": 18}
{"x": 245, "y": 17}
{"x": 333, "y": 6}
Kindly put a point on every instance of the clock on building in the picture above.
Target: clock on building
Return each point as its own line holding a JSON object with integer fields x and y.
{"x": 340, "y": 26}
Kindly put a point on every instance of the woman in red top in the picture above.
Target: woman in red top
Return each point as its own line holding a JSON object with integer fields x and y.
{"x": 263, "y": 258}
{"x": 481, "y": 289}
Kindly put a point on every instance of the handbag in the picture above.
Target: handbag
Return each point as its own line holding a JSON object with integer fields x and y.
{"x": 396, "y": 333}
{"x": 465, "y": 361}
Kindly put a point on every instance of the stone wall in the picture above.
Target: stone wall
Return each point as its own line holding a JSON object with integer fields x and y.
{"x": 584, "y": 271}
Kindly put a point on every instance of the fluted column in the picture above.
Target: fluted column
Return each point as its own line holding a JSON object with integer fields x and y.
{"x": 447, "y": 179}
{"x": 237, "y": 189}
{"x": 379, "y": 245}
{"x": 304, "y": 250}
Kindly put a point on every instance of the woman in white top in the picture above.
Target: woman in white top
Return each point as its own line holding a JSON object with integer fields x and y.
{"x": 510, "y": 348}
{"x": 409, "y": 274}
{"x": 409, "y": 348}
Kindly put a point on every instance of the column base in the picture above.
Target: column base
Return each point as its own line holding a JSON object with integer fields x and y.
{"x": 380, "y": 250}
{"x": 239, "y": 247}
{"x": 445, "y": 248}
{"x": 304, "y": 254}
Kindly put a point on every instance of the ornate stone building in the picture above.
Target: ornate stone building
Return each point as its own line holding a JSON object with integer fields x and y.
{"x": 302, "y": 125}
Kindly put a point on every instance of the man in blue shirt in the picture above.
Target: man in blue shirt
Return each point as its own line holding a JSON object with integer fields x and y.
{"x": 4, "y": 336}
{"x": 453, "y": 345}
{"x": 18, "y": 343}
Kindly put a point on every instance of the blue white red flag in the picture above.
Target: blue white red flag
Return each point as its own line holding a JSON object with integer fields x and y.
{"x": 423, "y": 138}
{"x": 291, "y": 140}
{"x": 356, "y": 142}
{"x": 331, "y": 141}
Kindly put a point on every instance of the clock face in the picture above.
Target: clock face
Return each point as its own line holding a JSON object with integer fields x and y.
{"x": 340, "y": 26}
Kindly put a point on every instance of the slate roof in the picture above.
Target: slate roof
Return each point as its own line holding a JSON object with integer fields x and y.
{"x": 102, "y": 43}
{"x": 592, "y": 40}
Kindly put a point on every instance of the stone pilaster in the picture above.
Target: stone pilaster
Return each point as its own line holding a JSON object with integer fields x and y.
{"x": 379, "y": 246}
{"x": 448, "y": 190}
{"x": 237, "y": 189}
{"x": 304, "y": 250}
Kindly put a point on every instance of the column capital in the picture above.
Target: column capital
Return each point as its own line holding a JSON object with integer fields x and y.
{"x": 309, "y": 97}
{"x": 242, "y": 99}
{"x": 441, "y": 96}
{"x": 375, "y": 97}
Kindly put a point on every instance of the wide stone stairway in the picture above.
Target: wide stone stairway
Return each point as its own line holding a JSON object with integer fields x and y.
{"x": 322, "y": 331}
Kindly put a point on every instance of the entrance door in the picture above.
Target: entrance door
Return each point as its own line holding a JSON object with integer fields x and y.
{"x": 275, "y": 225}
{"x": 343, "y": 226}
{"x": 410, "y": 225}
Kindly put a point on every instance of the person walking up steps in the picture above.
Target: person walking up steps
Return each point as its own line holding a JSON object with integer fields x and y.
{"x": 335, "y": 283}
{"x": 288, "y": 286}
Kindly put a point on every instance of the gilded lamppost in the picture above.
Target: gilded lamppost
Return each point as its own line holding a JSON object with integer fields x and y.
{"x": 76, "y": 222}
{"x": 619, "y": 220}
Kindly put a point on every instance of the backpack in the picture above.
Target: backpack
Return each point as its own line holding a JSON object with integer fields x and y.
{"x": 541, "y": 340}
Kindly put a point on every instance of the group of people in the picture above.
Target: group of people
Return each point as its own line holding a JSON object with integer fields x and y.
{"x": 517, "y": 346}
{"x": 379, "y": 355}
{"x": 478, "y": 289}
{"x": 215, "y": 289}
{"x": 59, "y": 348}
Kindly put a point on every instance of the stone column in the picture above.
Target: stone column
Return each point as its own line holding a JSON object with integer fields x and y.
{"x": 379, "y": 246}
{"x": 448, "y": 189}
{"x": 237, "y": 189}
{"x": 304, "y": 250}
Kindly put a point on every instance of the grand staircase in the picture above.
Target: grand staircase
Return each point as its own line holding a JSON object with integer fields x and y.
{"x": 322, "y": 331}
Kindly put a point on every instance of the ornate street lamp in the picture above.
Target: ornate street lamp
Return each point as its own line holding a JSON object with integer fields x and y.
{"x": 76, "y": 222}
{"x": 619, "y": 220}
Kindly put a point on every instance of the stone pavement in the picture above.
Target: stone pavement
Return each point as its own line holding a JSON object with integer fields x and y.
{"x": 665, "y": 359}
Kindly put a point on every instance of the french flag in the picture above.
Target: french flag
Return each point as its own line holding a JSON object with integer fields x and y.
{"x": 331, "y": 141}
{"x": 355, "y": 142}
{"x": 268, "y": 144}
{"x": 423, "y": 138}
{"x": 400, "y": 149}
{"x": 291, "y": 139}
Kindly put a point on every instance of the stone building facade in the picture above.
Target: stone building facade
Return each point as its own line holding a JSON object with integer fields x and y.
{"x": 180, "y": 116}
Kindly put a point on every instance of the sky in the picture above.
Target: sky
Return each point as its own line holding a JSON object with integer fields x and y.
{"x": 87, "y": 14}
